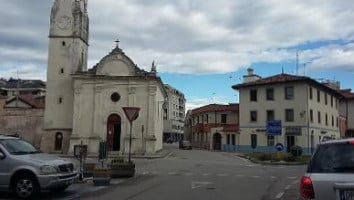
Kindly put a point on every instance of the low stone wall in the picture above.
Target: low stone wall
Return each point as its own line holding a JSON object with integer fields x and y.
{"x": 27, "y": 123}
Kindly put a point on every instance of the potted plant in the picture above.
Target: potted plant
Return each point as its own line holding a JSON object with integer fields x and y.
{"x": 120, "y": 168}
{"x": 101, "y": 175}
{"x": 88, "y": 169}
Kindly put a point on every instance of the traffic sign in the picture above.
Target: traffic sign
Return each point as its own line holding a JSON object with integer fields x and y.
{"x": 274, "y": 127}
{"x": 131, "y": 113}
{"x": 279, "y": 147}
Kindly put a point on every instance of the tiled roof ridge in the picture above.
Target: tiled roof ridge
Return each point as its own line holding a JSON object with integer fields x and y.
{"x": 216, "y": 107}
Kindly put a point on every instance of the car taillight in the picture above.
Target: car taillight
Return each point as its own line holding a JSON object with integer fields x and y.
{"x": 306, "y": 188}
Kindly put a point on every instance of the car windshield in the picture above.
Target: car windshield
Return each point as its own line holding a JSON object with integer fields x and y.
{"x": 18, "y": 147}
{"x": 333, "y": 158}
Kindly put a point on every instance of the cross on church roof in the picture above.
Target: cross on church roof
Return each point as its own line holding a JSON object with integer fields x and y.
{"x": 117, "y": 43}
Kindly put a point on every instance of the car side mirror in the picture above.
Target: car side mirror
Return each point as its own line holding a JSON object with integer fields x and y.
{"x": 2, "y": 155}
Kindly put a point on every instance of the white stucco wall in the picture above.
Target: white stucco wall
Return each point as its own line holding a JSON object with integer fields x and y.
{"x": 301, "y": 104}
{"x": 93, "y": 106}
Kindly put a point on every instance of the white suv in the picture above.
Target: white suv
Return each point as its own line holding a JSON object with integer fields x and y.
{"x": 330, "y": 173}
{"x": 26, "y": 170}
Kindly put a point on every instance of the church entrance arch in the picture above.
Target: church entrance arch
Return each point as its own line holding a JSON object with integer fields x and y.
{"x": 113, "y": 132}
{"x": 217, "y": 141}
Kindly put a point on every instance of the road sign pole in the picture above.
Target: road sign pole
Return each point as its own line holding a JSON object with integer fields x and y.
{"x": 130, "y": 142}
{"x": 132, "y": 114}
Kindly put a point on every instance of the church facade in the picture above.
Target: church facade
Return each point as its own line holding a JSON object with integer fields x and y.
{"x": 85, "y": 106}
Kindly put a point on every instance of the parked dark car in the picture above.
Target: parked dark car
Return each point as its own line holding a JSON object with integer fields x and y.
{"x": 185, "y": 144}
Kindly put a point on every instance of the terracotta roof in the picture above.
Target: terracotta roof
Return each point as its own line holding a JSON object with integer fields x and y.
{"x": 284, "y": 78}
{"x": 215, "y": 108}
{"x": 347, "y": 93}
{"x": 35, "y": 102}
{"x": 279, "y": 78}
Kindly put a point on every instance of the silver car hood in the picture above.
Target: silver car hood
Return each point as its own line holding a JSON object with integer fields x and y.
{"x": 43, "y": 159}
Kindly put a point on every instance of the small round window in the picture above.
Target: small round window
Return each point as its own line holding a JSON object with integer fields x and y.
{"x": 115, "y": 97}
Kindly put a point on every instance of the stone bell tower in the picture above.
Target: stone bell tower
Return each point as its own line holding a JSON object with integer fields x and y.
{"x": 67, "y": 55}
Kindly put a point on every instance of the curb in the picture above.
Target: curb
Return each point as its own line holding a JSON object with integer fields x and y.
{"x": 272, "y": 163}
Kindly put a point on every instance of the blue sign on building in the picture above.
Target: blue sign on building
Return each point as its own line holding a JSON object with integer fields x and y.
{"x": 273, "y": 127}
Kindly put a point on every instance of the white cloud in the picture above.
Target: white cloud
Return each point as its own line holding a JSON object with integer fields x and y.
{"x": 26, "y": 71}
{"x": 196, "y": 102}
{"x": 190, "y": 36}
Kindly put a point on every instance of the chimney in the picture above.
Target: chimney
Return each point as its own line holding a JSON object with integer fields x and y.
{"x": 250, "y": 77}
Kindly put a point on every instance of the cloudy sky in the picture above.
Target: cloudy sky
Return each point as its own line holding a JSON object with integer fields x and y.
{"x": 201, "y": 47}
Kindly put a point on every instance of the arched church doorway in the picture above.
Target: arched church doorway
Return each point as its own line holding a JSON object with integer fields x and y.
{"x": 217, "y": 141}
{"x": 113, "y": 132}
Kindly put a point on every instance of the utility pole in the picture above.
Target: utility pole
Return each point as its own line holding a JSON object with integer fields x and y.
{"x": 17, "y": 88}
{"x": 297, "y": 62}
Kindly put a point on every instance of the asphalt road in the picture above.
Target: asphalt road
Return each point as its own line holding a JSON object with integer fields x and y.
{"x": 191, "y": 174}
{"x": 197, "y": 174}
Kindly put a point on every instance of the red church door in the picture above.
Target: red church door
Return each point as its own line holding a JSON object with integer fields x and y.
{"x": 113, "y": 132}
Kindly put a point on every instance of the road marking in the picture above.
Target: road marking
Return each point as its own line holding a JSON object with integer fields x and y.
{"x": 279, "y": 195}
{"x": 255, "y": 176}
{"x": 198, "y": 184}
{"x": 240, "y": 175}
{"x": 295, "y": 182}
{"x": 243, "y": 159}
{"x": 287, "y": 187}
{"x": 251, "y": 165}
{"x": 144, "y": 173}
{"x": 273, "y": 177}
{"x": 205, "y": 174}
{"x": 97, "y": 188}
{"x": 168, "y": 155}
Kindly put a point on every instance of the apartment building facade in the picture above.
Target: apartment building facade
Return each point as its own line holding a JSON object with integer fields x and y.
{"x": 174, "y": 114}
{"x": 21, "y": 87}
{"x": 215, "y": 127}
{"x": 346, "y": 111}
{"x": 303, "y": 112}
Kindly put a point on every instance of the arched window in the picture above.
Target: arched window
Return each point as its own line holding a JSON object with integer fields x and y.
{"x": 58, "y": 141}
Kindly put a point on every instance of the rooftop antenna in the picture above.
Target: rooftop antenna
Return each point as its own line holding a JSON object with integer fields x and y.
{"x": 214, "y": 101}
{"x": 305, "y": 63}
{"x": 297, "y": 62}
{"x": 17, "y": 88}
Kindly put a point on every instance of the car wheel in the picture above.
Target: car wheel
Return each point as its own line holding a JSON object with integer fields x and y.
{"x": 25, "y": 186}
